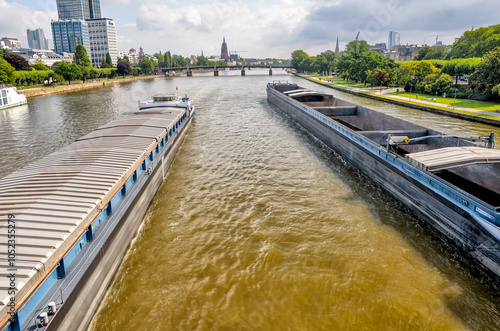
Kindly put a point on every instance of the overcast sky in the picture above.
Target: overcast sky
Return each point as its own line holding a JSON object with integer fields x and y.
{"x": 264, "y": 28}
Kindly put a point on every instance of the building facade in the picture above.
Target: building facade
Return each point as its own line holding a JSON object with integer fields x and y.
{"x": 393, "y": 39}
{"x": 11, "y": 43}
{"x": 78, "y": 9}
{"x": 102, "y": 39}
{"x": 36, "y": 39}
{"x": 224, "y": 54}
{"x": 402, "y": 52}
{"x": 67, "y": 34}
{"x": 47, "y": 57}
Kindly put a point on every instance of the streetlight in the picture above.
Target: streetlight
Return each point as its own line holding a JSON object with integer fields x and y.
{"x": 454, "y": 98}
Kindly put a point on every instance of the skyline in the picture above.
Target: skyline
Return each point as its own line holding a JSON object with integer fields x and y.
{"x": 263, "y": 28}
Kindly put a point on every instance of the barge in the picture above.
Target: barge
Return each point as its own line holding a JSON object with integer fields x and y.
{"x": 67, "y": 220}
{"x": 450, "y": 182}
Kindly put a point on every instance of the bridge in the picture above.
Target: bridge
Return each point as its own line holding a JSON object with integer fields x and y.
{"x": 216, "y": 68}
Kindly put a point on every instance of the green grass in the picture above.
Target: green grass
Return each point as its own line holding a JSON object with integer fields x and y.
{"x": 466, "y": 103}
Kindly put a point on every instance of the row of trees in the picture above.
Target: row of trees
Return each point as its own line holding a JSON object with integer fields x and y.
{"x": 360, "y": 64}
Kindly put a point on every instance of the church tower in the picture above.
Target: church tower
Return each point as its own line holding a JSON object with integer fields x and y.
{"x": 337, "y": 49}
{"x": 224, "y": 54}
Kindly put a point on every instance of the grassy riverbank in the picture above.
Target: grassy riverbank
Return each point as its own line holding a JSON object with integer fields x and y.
{"x": 485, "y": 112}
{"x": 464, "y": 103}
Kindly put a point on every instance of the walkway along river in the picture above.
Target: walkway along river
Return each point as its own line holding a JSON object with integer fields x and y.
{"x": 258, "y": 226}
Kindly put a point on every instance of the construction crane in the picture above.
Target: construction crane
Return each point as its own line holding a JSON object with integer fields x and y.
{"x": 357, "y": 36}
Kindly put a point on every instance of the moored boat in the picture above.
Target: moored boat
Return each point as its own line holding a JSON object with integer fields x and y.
{"x": 450, "y": 182}
{"x": 10, "y": 97}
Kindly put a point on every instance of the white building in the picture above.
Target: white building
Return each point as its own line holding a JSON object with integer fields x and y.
{"x": 48, "y": 57}
{"x": 102, "y": 36}
{"x": 11, "y": 43}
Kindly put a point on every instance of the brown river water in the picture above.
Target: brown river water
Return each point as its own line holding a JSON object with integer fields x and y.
{"x": 258, "y": 226}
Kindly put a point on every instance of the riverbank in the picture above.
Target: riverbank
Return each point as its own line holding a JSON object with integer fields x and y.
{"x": 470, "y": 114}
{"x": 44, "y": 91}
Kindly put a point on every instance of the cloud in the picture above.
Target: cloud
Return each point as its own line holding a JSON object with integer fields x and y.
{"x": 257, "y": 27}
{"x": 15, "y": 19}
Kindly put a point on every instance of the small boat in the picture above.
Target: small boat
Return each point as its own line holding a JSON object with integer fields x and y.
{"x": 9, "y": 97}
{"x": 448, "y": 181}
{"x": 168, "y": 100}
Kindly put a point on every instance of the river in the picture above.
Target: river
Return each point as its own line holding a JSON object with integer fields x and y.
{"x": 258, "y": 226}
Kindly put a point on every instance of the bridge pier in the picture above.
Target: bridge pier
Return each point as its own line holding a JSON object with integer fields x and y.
{"x": 216, "y": 73}
{"x": 270, "y": 72}
{"x": 243, "y": 72}
{"x": 189, "y": 73}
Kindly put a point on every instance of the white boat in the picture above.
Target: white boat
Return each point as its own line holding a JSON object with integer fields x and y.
{"x": 168, "y": 100}
{"x": 9, "y": 97}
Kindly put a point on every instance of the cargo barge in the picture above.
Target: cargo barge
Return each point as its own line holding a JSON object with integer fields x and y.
{"x": 67, "y": 220}
{"x": 450, "y": 182}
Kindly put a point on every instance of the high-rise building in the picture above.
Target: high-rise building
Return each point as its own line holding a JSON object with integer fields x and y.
{"x": 36, "y": 39}
{"x": 67, "y": 34}
{"x": 78, "y": 9}
{"x": 102, "y": 37}
{"x": 393, "y": 39}
{"x": 11, "y": 42}
{"x": 224, "y": 54}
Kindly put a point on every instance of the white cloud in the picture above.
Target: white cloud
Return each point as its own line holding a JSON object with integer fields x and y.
{"x": 259, "y": 28}
{"x": 15, "y": 19}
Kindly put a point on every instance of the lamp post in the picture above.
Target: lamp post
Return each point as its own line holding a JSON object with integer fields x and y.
{"x": 454, "y": 98}
{"x": 410, "y": 90}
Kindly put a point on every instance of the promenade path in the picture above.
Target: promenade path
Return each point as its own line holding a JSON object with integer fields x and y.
{"x": 386, "y": 93}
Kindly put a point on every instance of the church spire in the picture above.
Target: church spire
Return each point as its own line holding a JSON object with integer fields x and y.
{"x": 337, "y": 49}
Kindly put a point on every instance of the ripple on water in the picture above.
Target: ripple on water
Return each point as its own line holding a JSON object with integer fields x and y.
{"x": 258, "y": 226}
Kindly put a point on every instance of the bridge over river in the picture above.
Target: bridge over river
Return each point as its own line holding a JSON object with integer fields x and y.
{"x": 217, "y": 68}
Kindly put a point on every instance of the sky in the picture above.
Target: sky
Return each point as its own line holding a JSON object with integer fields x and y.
{"x": 264, "y": 28}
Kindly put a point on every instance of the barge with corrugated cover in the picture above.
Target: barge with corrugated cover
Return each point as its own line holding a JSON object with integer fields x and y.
{"x": 451, "y": 182}
{"x": 67, "y": 219}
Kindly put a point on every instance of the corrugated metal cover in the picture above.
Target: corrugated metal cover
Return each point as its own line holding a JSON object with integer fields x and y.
{"x": 52, "y": 197}
{"x": 450, "y": 157}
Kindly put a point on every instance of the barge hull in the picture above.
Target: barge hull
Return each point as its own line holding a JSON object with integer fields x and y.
{"x": 447, "y": 218}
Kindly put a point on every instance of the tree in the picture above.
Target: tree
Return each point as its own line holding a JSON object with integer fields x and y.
{"x": 125, "y": 57}
{"x": 161, "y": 59}
{"x": 309, "y": 64}
{"x": 69, "y": 71}
{"x": 109, "y": 60}
{"x": 326, "y": 62}
{"x": 39, "y": 65}
{"x": 476, "y": 43}
{"x": 297, "y": 57}
{"x": 356, "y": 47}
{"x": 147, "y": 66}
{"x": 81, "y": 58}
{"x": 167, "y": 58}
{"x": 7, "y": 72}
{"x": 431, "y": 53}
{"x": 487, "y": 74}
{"x": 17, "y": 61}
{"x": 203, "y": 61}
{"x": 123, "y": 68}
